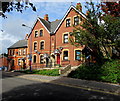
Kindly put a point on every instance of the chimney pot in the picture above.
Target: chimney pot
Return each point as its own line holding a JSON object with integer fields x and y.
{"x": 79, "y": 6}
{"x": 46, "y": 17}
{"x": 26, "y": 37}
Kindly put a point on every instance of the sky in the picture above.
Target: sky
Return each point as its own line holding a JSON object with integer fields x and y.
{"x": 11, "y": 29}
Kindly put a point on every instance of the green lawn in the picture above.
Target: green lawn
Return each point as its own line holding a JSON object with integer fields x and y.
{"x": 50, "y": 72}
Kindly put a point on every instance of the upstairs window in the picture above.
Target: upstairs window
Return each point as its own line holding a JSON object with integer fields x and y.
{"x": 35, "y": 46}
{"x": 19, "y": 53}
{"x": 41, "y": 59}
{"x": 77, "y": 54}
{"x": 10, "y": 52}
{"x": 36, "y": 34}
{"x": 65, "y": 55}
{"x": 68, "y": 23}
{"x": 76, "y": 20}
{"x": 24, "y": 51}
{"x": 65, "y": 38}
{"x": 41, "y": 33}
{"x": 42, "y": 45}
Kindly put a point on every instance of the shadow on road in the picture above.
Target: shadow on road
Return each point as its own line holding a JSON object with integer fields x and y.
{"x": 53, "y": 92}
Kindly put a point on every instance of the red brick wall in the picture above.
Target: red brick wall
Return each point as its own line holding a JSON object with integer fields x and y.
{"x": 32, "y": 39}
{"x": 15, "y": 57}
{"x": 59, "y": 37}
{"x": 3, "y": 62}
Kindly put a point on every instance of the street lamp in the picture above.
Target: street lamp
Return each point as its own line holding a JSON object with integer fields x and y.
{"x": 30, "y": 55}
{"x": 26, "y": 26}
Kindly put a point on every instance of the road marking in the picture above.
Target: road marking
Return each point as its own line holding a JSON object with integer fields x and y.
{"x": 85, "y": 88}
{"x": 69, "y": 85}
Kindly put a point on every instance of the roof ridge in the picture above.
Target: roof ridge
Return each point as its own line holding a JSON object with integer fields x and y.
{"x": 44, "y": 19}
{"x": 56, "y": 20}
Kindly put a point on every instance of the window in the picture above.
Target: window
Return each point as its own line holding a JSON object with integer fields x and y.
{"x": 35, "y": 46}
{"x": 19, "y": 62}
{"x": 19, "y": 53}
{"x": 10, "y": 52}
{"x": 41, "y": 32}
{"x": 65, "y": 55}
{"x": 76, "y": 20}
{"x": 13, "y": 52}
{"x": 34, "y": 59}
{"x": 41, "y": 59}
{"x": 24, "y": 51}
{"x": 77, "y": 54}
{"x": 68, "y": 23}
{"x": 36, "y": 33}
{"x": 65, "y": 38}
{"x": 42, "y": 45}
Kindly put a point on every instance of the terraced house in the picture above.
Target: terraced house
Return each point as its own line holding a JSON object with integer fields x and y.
{"x": 17, "y": 54}
{"x": 48, "y": 42}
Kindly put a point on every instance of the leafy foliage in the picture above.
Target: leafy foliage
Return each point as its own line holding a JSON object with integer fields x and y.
{"x": 111, "y": 71}
{"x": 111, "y": 8}
{"x": 108, "y": 72}
{"x": 18, "y": 5}
{"x": 98, "y": 32}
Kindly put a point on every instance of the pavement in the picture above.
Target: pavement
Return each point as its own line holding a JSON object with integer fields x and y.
{"x": 108, "y": 88}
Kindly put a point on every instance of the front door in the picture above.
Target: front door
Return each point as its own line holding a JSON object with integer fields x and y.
{"x": 58, "y": 58}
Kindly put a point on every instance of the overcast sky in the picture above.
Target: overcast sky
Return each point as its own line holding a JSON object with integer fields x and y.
{"x": 12, "y": 29}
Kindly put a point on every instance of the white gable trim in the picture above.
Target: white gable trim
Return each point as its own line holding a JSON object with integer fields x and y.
{"x": 66, "y": 15}
{"x": 32, "y": 27}
{"x": 43, "y": 25}
{"x": 37, "y": 19}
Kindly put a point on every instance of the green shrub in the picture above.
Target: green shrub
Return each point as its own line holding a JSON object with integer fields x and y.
{"x": 86, "y": 72}
{"x": 108, "y": 72}
{"x": 111, "y": 71}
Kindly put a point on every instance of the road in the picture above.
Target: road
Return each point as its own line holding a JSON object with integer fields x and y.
{"x": 19, "y": 89}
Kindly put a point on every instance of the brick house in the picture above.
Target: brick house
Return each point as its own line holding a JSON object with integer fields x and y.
{"x": 49, "y": 43}
{"x": 3, "y": 61}
{"x": 17, "y": 54}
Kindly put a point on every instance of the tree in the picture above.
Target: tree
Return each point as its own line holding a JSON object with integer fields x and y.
{"x": 111, "y": 8}
{"x": 18, "y": 5}
{"x": 97, "y": 32}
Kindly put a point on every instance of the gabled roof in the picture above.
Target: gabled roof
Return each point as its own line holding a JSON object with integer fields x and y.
{"x": 45, "y": 23}
{"x": 53, "y": 26}
{"x": 19, "y": 44}
{"x": 71, "y": 7}
{"x": 50, "y": 26}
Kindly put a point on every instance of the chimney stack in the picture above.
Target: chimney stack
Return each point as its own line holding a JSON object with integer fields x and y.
{"x": 87, "y": 12}
{"x": 46, "y": 17}
{"x": 79, "y": 7}
{"x": 26, "y": 37}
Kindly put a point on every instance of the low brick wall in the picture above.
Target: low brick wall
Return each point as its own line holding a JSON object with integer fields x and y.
{"x": 64, "y": 69}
